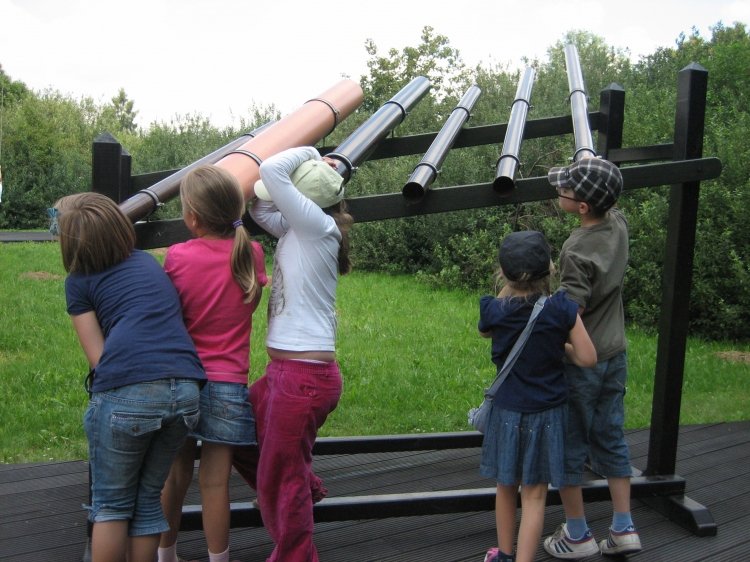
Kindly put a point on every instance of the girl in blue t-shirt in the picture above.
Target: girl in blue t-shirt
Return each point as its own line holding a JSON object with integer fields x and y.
{"x": 145, "y": 373}
{"x": 523, "y": 443}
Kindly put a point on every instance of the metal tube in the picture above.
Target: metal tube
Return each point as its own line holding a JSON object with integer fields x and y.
{"x": 146, "y": 201}
{"x": 578, "y": 105}
{"x": 507, "y": 164}
{"x": 427, "y": 170}
{"x": 360, "y": 144}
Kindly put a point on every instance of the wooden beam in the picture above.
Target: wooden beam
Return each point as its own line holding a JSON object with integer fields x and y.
{"x": 380, "y": 506}
{"x": 159, "y": 234}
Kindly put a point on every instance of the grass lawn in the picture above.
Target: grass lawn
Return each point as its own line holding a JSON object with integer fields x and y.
{"x": 411, "y": 358}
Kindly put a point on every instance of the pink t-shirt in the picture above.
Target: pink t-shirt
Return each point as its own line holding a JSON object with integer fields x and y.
{"x": 212, "y": 304}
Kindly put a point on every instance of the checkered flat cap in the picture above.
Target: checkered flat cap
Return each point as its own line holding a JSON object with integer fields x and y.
{"x": 595, "y": 181}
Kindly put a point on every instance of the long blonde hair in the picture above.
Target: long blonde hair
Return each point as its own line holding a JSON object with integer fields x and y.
{"x": 214, "y": 196}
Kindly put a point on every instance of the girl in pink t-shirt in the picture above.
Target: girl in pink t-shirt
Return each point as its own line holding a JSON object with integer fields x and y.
{"x": 219, "y": 276}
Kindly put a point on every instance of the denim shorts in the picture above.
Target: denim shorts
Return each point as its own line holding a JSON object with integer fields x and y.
{"x": 134, "y": 433}
{"x": 524, "y": 448}
{"x": 226, "y": 415}
{"x": 596, "y": 419}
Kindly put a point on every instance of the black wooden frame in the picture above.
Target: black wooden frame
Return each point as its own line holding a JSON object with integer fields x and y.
{"x": 679, "y": 165}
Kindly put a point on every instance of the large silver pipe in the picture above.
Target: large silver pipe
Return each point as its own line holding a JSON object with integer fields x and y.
{"x": 360, "y": 144}
{"x": 507, "y": 164}
{"x": 578, "y": 105}
{"x": 428, "y": 168}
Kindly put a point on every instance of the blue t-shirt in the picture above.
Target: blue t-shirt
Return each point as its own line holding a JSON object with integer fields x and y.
{"x": 536, "y": 382}
{"x": 139, "y": 312}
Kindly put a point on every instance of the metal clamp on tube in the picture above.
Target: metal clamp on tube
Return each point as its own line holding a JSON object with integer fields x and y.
{"x": 336, "y": 113}
{"x": 421, "y": 178}
{"x": 154, "y": 199}
{"x": 348, "y": 168}
{"x": 249, "y": 154}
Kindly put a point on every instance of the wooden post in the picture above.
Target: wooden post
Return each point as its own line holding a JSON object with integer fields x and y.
{"x": 673, "y": 322}
{"x": 126, "y": 188}
{"x": 677, "y": 275}
{"x": 110, "y": 168}
{"x": 612, "y": 110}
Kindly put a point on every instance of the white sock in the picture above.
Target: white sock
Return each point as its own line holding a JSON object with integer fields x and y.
{"x": 168, "y": 554}
{"x": 221, "y": 557}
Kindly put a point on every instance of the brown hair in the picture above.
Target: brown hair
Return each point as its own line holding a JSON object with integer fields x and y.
{"x": 344, "y": 221}
{"x": 215, "y": 197}
{"x": 94, "y": 233}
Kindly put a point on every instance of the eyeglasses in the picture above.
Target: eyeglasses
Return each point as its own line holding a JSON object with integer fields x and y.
{"x": 54, "y": 227}
{"x": 561, "y": 196}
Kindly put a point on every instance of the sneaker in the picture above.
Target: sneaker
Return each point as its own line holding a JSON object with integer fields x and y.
{"x": 560, "y": 545}
{"x": 621, "y": 542}
{"x": 494, "y": 555}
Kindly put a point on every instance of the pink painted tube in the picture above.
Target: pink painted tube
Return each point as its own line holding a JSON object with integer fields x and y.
{"x": 306, "y": 126}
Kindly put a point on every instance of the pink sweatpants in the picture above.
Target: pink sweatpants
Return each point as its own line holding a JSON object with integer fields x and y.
{"x": 291, "y": 401}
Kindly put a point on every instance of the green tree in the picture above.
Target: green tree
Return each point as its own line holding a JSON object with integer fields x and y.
{"x": 46, "y": 154}
{"x": 12, "y": 90}
{"x": 434, "y": 58}
{"x": 119, "y": 116}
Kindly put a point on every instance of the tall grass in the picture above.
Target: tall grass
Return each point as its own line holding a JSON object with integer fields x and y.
{"x": 411, "y": 357}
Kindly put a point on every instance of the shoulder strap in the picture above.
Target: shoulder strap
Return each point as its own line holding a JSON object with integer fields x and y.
{"x": 517, "y": 348}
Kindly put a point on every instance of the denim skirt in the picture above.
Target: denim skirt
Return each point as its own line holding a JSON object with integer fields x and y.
{"x": 226, "y": 415}
{"x": 525, "y": 448}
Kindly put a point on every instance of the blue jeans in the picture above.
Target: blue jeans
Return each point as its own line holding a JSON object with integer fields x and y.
{"x": 134, "y": 433}
{"x": 596, "y": 418}
{"x": 226, "y": 415}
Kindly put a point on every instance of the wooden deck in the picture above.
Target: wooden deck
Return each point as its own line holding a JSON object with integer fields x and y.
{"x": 41, "y": 517}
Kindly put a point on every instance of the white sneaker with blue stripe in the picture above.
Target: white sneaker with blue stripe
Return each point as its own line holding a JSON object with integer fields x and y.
{"x": 560, "y": 545}
{"x": 621, "y": 542}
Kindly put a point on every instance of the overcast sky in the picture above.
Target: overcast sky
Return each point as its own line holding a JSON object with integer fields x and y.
{"x": 218, "y": 57}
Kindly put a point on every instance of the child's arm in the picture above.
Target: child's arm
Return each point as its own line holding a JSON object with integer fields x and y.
{"x": 90, "y": 335}
{"x": 579, "y": 348}
{"x": 276, "y": 173}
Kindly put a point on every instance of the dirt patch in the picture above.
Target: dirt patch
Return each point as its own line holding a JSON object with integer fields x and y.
{"x": 735, "y": 356}
{"x": 41, "y": 276}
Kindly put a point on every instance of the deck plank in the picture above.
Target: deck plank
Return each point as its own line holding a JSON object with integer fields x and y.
{"x": 41, "y": 517}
